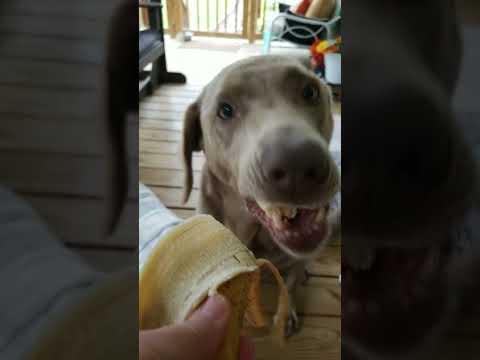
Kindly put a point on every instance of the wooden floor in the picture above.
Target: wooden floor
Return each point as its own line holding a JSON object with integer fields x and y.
{"x": 161, "y": 169}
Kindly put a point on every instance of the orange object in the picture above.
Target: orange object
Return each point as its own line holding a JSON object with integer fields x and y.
{"x": 321, "y": 47}
{"x": 302, "y": 8}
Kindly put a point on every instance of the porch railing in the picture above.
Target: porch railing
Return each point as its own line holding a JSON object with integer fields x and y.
{"x": 220, "y": 18}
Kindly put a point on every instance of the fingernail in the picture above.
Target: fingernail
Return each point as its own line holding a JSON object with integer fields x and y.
{"x": 216, "y": 309}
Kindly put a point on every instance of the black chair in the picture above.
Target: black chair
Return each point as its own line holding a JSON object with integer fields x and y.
{"x": 151, "y": 49}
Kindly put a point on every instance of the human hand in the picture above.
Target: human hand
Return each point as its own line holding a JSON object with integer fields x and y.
{"x": 198, "y": 338}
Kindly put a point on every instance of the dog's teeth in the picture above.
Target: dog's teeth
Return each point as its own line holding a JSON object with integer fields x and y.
{"x": 292, "y": 212}
{"x": 263, "y": 205}
{"x": 270, "y": 211}
{"x": 288, "y": 212}
{"x": 278, "y": 213}
{"x": 277, "y": 219}
{"x": 268, "y": 208}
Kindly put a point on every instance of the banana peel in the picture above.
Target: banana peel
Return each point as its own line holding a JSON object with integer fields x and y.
{"x": 198, "y": 259}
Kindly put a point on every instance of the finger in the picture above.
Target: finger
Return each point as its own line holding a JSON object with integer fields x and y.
{"x": 247, "y": 349}
{"x": 198, "y": 338}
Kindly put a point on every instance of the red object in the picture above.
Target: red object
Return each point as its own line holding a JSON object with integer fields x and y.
{"x": 303, "y": 7}
{"x": 318, "y": 62}
{"x": 316, "y": 55}
{"x": 318, "y": 59}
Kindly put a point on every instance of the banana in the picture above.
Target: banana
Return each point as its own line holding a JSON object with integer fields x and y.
{"x": 198, "y": 259}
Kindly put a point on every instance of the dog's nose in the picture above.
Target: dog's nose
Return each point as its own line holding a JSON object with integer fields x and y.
{"x": 294, "y": 164}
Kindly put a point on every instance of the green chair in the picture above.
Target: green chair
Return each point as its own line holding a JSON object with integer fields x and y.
{"x": 300, "y": 30}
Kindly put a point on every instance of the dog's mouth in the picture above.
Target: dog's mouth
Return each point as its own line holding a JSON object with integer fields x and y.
{"x": 297, "y": 230}
{"x": 387, "y": 290}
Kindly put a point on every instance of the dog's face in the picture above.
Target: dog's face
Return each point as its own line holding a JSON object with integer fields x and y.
{"x": 407, "y": 176}
{"x": 265, "y": 124}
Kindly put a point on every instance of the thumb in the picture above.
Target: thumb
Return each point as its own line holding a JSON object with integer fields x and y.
{"x": 198, "y": 338}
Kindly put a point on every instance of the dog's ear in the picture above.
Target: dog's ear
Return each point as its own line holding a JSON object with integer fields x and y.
{"x": 192, "y": 141}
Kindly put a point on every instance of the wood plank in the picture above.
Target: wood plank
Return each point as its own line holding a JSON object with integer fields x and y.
{"x": 160, "y": 135}
{"x": 59, "y": 174}
{"x": 328, "y": 263}
{"x": 188, "y": 87}
{"x": 80, "y": 220}
{"x": 185, "y": 93}
{"x": 148, "y": 124}
{"x": 85, "y": 8}
{"x": 252, "y": 24}
{"x": 172, "y": 162}
{"x": 165, "y": 99}
{"x": 180, "y": 16}
{"x": 319, "y": 339}
{"x": 177, "y": 114}
{"x": 174, "y": 22}
{"x": 215, "y": 34}
{"x": 245, "y": 20}
{"x": 61, "y": 102}
{"x": 64, "y": 26}
{"x": 40, "y": 133}
{"x": 319, "y": 296}
{"x": 164, "y": 115}
{"x": 19, "y": 46}
{"x": 172, "y": 197}
{"x": 49, "y": 75}
{"x": 167, "y": 177}
{"x": 159, "y": 147}
{"x": 162, "y": 147}
{"x": 161, "y": 106}
{"x": 145, "y": 20}
{"x": 336, "y": 108}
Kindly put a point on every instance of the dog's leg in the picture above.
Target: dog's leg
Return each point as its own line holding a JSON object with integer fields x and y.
{"x": 295, "y": 277}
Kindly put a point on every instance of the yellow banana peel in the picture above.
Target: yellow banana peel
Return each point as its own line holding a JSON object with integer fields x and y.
{"x": 198, "y": 259}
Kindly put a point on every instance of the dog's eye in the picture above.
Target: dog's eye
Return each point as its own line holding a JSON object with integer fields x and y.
{"x": 311, "y": 92}
{"x": 225, "y": 111}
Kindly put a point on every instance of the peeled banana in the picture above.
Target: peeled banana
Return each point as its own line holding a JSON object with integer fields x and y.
{"x": 198, "y": 259}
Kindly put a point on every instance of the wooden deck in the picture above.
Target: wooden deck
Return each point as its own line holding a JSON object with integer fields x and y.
{"x": 52, "y": 145}
{"x": 161, "y": 169}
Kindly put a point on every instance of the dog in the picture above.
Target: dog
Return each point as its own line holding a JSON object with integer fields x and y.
{"x": 265, "y": 124}
{"x": 409, "y": 182}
